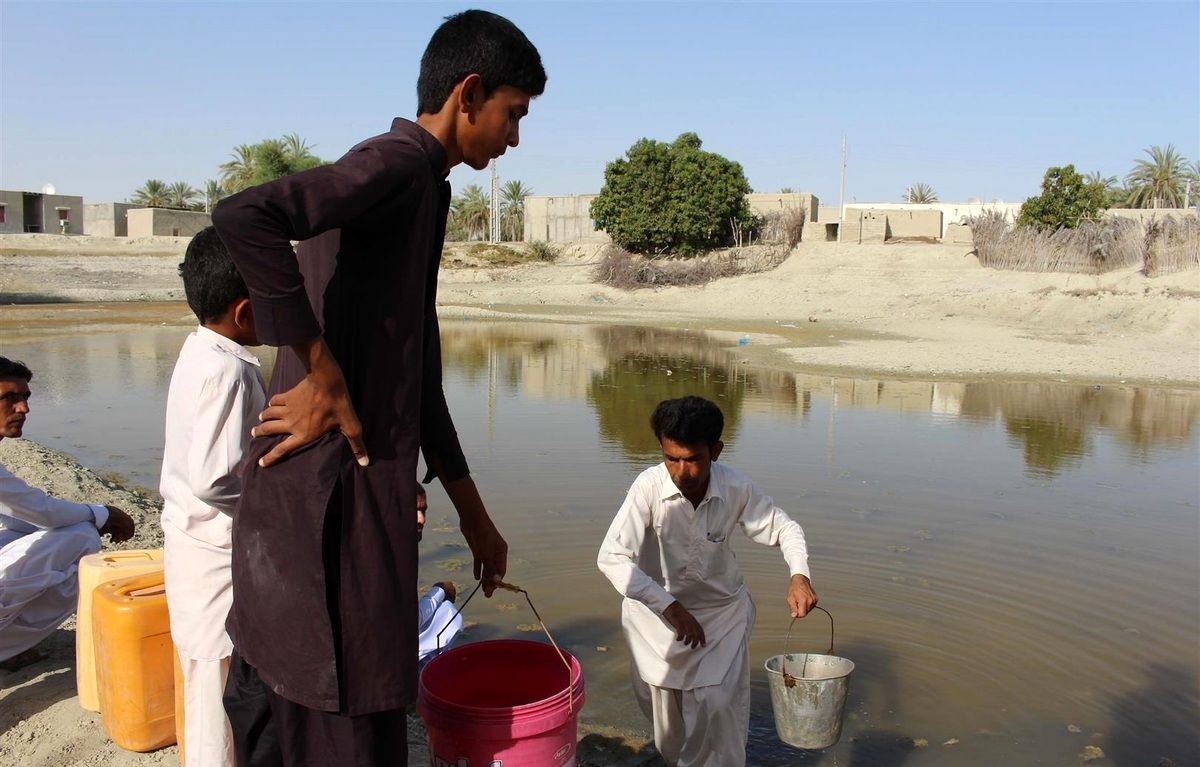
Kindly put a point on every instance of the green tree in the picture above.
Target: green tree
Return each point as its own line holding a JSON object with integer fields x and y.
{"x": 471, "y": 212}
{"x": 512, "y": 210}
{"x": 269, "y": 159}
{"x": 1159, "y": 182}
{"x": 1066, "y": 199}
{"x": 238, "y": 173}
{"x": 181, "y": 195}
{"x": 920, "y": 194}
{"x": 152, "y": 194}
{"x": 787, "y": 190}
{"x": 672, "y": 198}
{"x": 213, "y": 191}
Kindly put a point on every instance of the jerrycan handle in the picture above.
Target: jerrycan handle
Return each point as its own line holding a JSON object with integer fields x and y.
{"x": 518, "y": 590}
{"x": 130, "y": 586}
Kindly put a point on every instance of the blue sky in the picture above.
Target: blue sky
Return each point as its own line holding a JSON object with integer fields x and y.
{"x": 976, "y": 99}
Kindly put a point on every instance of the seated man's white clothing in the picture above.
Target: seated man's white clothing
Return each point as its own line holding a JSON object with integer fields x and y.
{"x": 42, "y": 540}
{"x": 436, "y": 614}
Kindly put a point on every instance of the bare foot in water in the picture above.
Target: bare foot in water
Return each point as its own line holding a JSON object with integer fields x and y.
{"x": 21, "y": 660}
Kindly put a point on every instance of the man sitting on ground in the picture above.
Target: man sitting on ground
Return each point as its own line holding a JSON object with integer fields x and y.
{"x": 42, "y": 540}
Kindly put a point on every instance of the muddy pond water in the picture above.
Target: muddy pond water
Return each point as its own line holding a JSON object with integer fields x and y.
{"x": 1013, "y": 567}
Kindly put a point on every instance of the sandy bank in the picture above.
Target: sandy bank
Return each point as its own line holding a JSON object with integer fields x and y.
{"x": 908, "y": 310}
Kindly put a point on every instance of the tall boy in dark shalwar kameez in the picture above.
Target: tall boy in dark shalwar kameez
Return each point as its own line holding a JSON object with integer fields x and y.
{"x": 324, "y": 547}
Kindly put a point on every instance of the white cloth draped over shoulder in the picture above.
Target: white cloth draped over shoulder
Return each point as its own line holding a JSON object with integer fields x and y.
{"x": 659, "y": 549}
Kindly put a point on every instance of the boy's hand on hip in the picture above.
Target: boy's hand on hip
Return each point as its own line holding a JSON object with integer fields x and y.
{"x": 316, "y": 406}
{"x": 801, "y": 598}
{"x": 687, "y": 629}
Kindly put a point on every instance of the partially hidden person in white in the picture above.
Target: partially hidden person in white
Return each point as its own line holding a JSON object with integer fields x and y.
{"x": 687, "y": 615}
{"x": 42, "y": 540}
{"x": 215, "y": 396}
{"x": 438, "y": 623}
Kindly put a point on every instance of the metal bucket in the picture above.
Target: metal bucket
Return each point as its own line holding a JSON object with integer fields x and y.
{"x": 808, "y": 694}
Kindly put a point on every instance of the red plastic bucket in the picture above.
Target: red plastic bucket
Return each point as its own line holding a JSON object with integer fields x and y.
{"x": 503, "y": 703}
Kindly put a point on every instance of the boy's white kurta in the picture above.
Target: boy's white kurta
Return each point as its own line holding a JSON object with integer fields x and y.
{"x": 659, "y": 549}
{"x": 42, "y": 540}
{"x": 215, "y": 397}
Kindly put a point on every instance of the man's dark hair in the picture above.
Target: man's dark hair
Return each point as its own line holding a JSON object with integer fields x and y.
{"x": 689, "y": 420}
{"x": 14, "y": 369}
{"x": 210, "y": 280}
{"x": 482, "y": 43}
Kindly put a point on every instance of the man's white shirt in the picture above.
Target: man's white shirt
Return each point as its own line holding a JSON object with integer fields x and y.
{"x": 25, "y": 509}
{"x": 660, "y": 549}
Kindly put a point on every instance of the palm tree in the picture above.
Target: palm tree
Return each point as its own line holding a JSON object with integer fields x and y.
{"x": 512, "y": 209}
{"x": 920, "y": 194}
{"x": 472, "y": 211}
{"x": 787, "y": 190}
{"x": 238, "y": 173}
{"x": 152, "y": 194}
{"x": 299, "y": 153}
{"x": 181, "y": 195}
{"x": 1159, "y": 181}
{"x": 213, "y": 191}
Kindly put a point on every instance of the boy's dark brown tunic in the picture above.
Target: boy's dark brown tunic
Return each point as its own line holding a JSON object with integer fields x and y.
{"x": 316, "y": 535}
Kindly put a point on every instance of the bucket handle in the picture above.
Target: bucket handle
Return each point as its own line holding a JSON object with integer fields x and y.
{"x": 519, "y": 590}
{"x": 788, "y": 679}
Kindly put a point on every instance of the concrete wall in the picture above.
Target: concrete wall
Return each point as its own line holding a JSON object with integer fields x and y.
{"x": 1146, "y": 215}
{"x": 768, "y": 204}
{"x": 959, "y": 234}
{"x": 150, "y": 222}
{"x": 37, "y": 212}
{"x": 914, "y": 223}
{"x": 566, "y": 218}
{"x": 12, "y": 203}
{"x": 952, "y": 212}
{"x": 106, "y": 219}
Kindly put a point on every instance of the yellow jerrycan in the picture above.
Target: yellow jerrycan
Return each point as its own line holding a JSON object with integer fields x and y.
{"x": 95, "y": 569}
{"x": 135, "y": 662}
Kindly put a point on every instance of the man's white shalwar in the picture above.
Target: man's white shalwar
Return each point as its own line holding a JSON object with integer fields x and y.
{"x": 42, "y": 540}
{"x": 215, "y": 396}
{"x": 658, "y": 550}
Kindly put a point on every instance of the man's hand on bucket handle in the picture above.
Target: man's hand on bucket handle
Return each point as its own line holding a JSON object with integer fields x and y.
{"x": 801, "y": 598}
{"x": 488, "y": 547}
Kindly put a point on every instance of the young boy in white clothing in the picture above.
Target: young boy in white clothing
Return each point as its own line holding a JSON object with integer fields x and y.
{"x": 215, "y": 397}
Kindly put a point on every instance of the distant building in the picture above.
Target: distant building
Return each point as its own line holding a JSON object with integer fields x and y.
{"x": 165, "y": 222}
{"x": 107, "y": 219}
{"x": 35, "y": 212}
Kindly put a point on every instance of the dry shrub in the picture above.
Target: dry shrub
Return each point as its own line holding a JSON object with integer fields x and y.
{"x": 1172, "y": 245}
{"x": 1091, "y": 248}
{"x": 629, "y": 271}
{"x": 784, "y": 227}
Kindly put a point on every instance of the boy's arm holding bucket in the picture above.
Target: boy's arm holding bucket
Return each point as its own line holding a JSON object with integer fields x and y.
{"x": 766, "y": 523}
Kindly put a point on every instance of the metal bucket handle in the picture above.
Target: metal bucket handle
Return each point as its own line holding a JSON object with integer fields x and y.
{"x": 518, "y": 590}
{"x": 788, "y": 679}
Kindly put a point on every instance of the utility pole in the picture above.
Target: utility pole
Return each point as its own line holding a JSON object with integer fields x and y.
{"x": 494, "y": 215}
{"x": 842, "y": 185}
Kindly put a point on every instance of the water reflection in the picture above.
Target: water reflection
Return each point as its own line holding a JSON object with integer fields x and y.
{"x": 623, "y": 372}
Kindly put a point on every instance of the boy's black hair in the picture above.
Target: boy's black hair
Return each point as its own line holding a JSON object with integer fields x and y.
{"x": 14, "y": 369}
{"x": 482, "y": 43}
{"x": 689, "y": 420}
{"x": 210, "y": 280}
